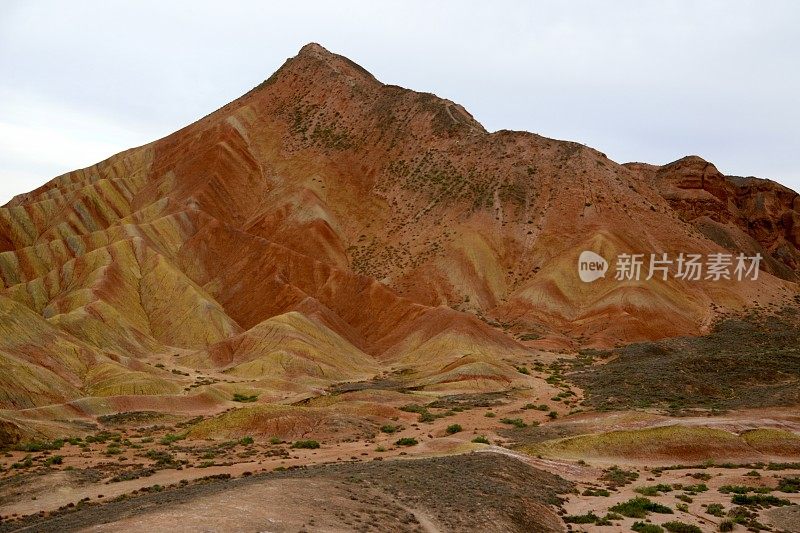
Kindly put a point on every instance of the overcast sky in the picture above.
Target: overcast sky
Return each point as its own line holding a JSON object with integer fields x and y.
{"x": 639, "y": 80}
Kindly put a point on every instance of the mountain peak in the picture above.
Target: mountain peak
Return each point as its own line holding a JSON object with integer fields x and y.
{"x": 315, "y": 49}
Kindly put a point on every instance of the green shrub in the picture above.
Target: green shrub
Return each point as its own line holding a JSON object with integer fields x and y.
{"x": 789, "y": 484}
{"x": 726, "y": 525}
{"x": 617, "y": 477}
{"x": 700, "y": 487}
{"x": 162, "y": 459}
{"x": 552, "y": 415}
{"x": 639, "y": 507}
{"x": 680, "y": 527}
{"x": 246, "y": 441}
{"x": 388, "y": 428}
{"x": 743, "y": 489}
{"x": 653, "y": 490}
{"x": 169, "y": 438}
{"x": 490, "y": 414}
{"x": 54, "y": 460}
{"x": 596, "y": 492}
{"x": 684, "y": 498}
{"x": 588, "y": 518}
{"x": 27, "y": 462}
{"x": 762, "y": 500}
{"x": 642, "y": 527}
{"x": 306, "y": 444}
{"x": 407, "y": 441}
{"x": 426, "y": 416}
{"x": 715, "y": 509}
{"x": 40, "y": 446}
{"x": 244, "y": 398}
{"x": 481, "y": 440}
{"x": 516, "y": 422}
{"x": 453, "y": 429}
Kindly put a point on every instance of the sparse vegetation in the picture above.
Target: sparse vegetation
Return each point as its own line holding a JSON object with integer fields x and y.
{"x": 639, "y": 507}
{"x": 643, "y": 527}
{"x": 453, "y": 429}
{"x": 759, "y": 500}
{"x": 616, "y": 477}
{"x": 407, "y": 441}
{"x": 680, "y": 527}
{"x": 726, "y": 525}
{"x": 516, "y": 422}
{"x": 245, "y": 398}
{"x": 305, "y": 444}
{"x": 716, "y": 509}
{"x": 596, "y": 492}
{"x": 653, "y": 490}
{"x": 480, "y": 439}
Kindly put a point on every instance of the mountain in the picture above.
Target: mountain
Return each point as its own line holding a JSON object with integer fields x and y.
{"x": 326, "y": 227}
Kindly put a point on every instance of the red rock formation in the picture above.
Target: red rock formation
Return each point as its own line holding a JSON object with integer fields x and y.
{"x": 401, "y": 230}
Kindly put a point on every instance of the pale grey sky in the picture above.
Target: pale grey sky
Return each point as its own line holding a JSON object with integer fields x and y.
{"x": 639, "y": 80}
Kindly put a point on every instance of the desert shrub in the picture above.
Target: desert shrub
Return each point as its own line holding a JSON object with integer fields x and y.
{"x": 113, "y": 449}
{"x": 694, "y": 489}
{"x": 715, "y": 509}
{"x": 246, "y": 441}
{"x": 743, "y": 489}
{"x": 389, "y": 428}
{"x": 726, "y": 525}
{"x": 680, "y": 527}
{"x": 596, "y": 492}
{"x": 653, "y": 490}
{"x": 588, "y": 518}
{"x": 54, "y": 460}
{"x": 306, "y": 444}
{"x": 643, "y": 527}
{"x": 552, "y": 415}
{"x": 407, "y": 441}
{"x": 516, "y": 422}
{"x": 163, "y": 459}
{"x": 523, "y": 370}
{"x": 480, "y": 439}
{"x": 169, "y": 438}
{"x": 27, "y": 462}
{"x": 789, "y": 484}
{"x": 639, "y": 507}
{"x": 453, "y": 428}
{"x": 783, "y": 466}
{"x": 761, "y": 500}
{"x": 490, "y": 414}
{"x": 40, "y": 446}
{"x": 244, "y": 398}
{"x": 684, "y": 508}
{"x": 426, "y": 416}
{"x": 617, "y": 477}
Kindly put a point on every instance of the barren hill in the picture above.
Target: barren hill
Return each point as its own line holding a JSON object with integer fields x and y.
{"x": 326, "y": 227}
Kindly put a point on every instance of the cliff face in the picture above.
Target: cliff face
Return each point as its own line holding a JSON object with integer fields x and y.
{"x": 334, "y": 226}
{"x": 740, "y": 214}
